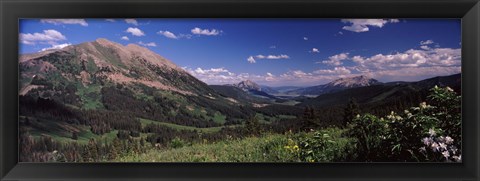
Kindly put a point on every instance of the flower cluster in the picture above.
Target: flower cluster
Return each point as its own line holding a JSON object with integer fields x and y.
{"x": 441, "y": 145}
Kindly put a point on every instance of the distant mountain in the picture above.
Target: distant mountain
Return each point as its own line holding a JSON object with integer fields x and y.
{"x": 254, "y": 89}
{"x": 336, "y": 85}
{"x": 387, "y": 92}
{"x": 248, "y": 85}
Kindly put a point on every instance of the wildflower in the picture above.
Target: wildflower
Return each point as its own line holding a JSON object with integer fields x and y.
{"x": 449, "y": 89}
{"x": 454, "y": 149}
{"x": 432, "y": 132}
{"x": 446, "y": 154}
{"x": 423, "y": 149}
{"x": 427, "y": 141}
{"x": 457, "y": 158}
{"x": 423, "y": 105}
{"x": 296, "y": 148}
{"x": 448, "y": 140}
{"x": 443, "y": 146}
{"x": 435, "y": 147}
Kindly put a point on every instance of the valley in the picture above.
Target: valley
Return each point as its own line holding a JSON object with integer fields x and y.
{"x": 102, "y": 101}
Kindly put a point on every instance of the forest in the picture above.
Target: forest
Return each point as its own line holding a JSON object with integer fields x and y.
{"x": 420, "y": 127}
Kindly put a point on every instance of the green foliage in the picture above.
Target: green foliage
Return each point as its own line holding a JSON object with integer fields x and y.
{"x": 410, "y": 136}
{"x": 177, "y": 143}
{"x": 325, "y": 145}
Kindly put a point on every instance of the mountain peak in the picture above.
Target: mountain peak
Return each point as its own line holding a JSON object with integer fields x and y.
{"x": 248, "y": 85}
{"x": 358, "y": 81}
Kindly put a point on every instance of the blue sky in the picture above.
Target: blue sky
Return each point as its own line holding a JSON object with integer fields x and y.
{"x": 273, "y": 52}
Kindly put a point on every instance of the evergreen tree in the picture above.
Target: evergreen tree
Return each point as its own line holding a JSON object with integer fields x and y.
{"x": 351, "y": 111}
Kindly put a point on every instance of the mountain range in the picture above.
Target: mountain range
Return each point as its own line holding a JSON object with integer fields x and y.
{"x": 78, "y": 75}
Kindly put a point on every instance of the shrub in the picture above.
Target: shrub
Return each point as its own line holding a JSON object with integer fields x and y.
{"x": 408, "y": 136}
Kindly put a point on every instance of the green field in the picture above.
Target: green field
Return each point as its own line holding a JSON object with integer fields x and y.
{"x": 181, "y": 127}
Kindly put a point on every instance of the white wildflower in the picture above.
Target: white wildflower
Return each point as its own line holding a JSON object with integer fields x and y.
{"x": 446, "y": 154}
{"x": 432, "y": 132}
{"x": 457, "y": 158}
{"x": 423, "y": 105}
{"x": 448, "y": 140}
{"x": 435, "y": 147}
{"x": 443, "y": 146}
{"x": 449, "y": 89}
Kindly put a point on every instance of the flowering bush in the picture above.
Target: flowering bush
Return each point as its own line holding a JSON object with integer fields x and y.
{"x": 423, "y": 133}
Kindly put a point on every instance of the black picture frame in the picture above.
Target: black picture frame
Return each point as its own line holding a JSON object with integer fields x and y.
{"x": 11, "y": 11}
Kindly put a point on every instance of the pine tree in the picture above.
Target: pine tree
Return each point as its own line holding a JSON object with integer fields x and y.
{"x": 351, "y": 111}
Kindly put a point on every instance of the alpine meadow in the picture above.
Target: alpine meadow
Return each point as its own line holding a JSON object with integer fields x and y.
{"x": 240, "y": 90}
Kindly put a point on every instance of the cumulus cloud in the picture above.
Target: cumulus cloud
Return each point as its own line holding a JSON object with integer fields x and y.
{"x": 55, "y": 47}
{"x": 151, "y": 44}
{"x": 81, "y": 22}
{"x": 426, "y": 42}
{"x": 125, "y": 38}
{"x": 207, "y": 32}
{"x": 362, "y": 25}
{"x": 135, "y": 31}
{"x": 335, "y": 60}
{"x": 47, "y": 37}
{"x": 305, "y": 38}
{"x": 171, "y": 35}
{"x": 168, "y": 34}
{"x": 442, "y": 57}
{"x": 335, "y": 71}
{"x": 425, "y": 47}
{"x": 315, "y": 50}
{"x": 252, "y": 59}
{"x": 110, "y": 20}
{"x": 131, "y": 21}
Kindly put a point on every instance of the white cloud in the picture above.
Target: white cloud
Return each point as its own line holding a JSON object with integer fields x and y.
{"x": 426, "y": 42}
{"x": 151, "y": 44}
{"x": 425, "y": 47}
{"x": 362, "y": 25}
{"x": 81, "y": 22}
{"x": 336, "y": 71}
{"x": 253, "y": 59}
{"x": 47, "y": 37}
{"x": 335, "y": 60}
{"x": 315, "y": 50}
{"x": 54, "y": 47}
{"x": 110, "y": 20}
{"x": 131, "y": 21}
{"x": 305, "y": 38}
{"x": 273, "y": 47}
{"x": 168, "y": 34}
{"x": 125, "y": 38}
{"x": 207, "y": 32}
{"x": 250, "y": 59}
{"x": 436, "y": 57}
{"x": 135, "y": 31}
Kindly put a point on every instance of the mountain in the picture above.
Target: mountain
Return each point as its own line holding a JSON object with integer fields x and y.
{"x": 383, "y": 93}
{"x": 248, "y": 85}
{"x": 336, "y": 85}
{"x": 76, "y": 74}
{"x": 253, "y": 89}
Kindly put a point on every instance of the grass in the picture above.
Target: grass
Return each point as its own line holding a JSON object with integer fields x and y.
{"x": 62, "y": 132}
{"x": 181, "y": 127}
{"x": 269, "y": 148}
{"x": 90, "y": 96}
